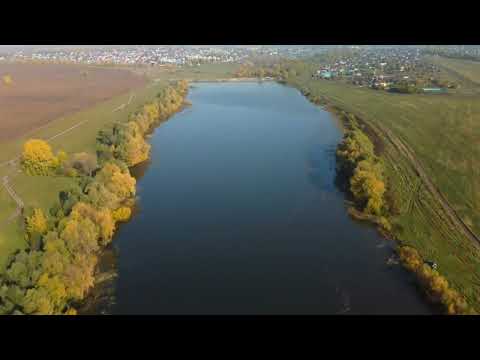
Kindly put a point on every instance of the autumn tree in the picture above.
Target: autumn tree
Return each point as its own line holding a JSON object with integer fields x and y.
{"x": 130, "y": 146}
{"x": 36, "y": 226}
{"x": 437, "y": 287}
{"x": 367, "y": 188}
{"x": 37, "y": 158}
{"x": 101, "y": 217}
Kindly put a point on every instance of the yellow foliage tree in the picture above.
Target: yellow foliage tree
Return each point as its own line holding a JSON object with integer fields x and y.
{"x": 435, "y": 284}
{"x": 367, "y": 188}
{"x": 37, "y": 158}
{"x": 118, "y": 182}
{"x": 55, "y": 289}
{"x": 36, "y": 223}
{"x": 102, "y": 218}
{"x": 132, "y": 148}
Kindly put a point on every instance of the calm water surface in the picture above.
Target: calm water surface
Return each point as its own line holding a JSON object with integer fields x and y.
{"x": 238, "y": 213}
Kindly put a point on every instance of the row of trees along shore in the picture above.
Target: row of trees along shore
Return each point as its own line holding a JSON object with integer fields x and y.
{"x": 54, "y": 273}
{"x": 357, "y": 162}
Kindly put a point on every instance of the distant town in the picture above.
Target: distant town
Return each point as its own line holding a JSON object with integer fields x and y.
{"x": 401, "y": 69}
{"x": 178, "y": 55}
{"x": 394, "y": 69}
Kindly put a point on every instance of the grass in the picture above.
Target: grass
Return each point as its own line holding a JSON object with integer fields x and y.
{"x": 202, "y": 72}
{"x": 444, "y": 132}
{"x": 467, "y": 69}
{"x": 43, "y": 191}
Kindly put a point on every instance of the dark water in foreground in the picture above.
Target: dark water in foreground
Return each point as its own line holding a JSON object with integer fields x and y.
{"x": 239, "y": 214}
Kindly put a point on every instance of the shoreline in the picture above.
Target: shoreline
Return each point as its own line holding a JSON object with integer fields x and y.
{"x": 109, "y": 252}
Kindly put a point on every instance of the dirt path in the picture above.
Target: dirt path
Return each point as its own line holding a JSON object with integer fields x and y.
{"x": 14, "y": 196}
{"x": 67, "y": 130}
{"x": 121, "y": 107}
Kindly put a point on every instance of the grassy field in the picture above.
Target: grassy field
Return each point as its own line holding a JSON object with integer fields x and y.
{"x": 444, "y": 132}
{"x": 466, "y": 69}
{"x": 202, "y": 72}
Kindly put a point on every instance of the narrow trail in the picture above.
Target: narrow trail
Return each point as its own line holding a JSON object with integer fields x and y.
{"x": 122, "y": 106}
{"x": 67, "y": 130}
{"x": 15, "y": 197}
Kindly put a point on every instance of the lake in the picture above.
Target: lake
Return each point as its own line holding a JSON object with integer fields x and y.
{"x": 238, "y": 213}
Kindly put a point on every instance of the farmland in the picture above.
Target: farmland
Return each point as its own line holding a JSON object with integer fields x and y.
{"x": 190, "y": 73}
{"x": 466, "y": 69}
{"x": 39, "y": 93}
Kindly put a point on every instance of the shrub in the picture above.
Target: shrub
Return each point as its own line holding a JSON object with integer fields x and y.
{"x": 84, "y": 163}
{"x": 435, "y": 285}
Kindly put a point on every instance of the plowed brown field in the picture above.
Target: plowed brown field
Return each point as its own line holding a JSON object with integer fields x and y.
{"x": 40, "y": 93}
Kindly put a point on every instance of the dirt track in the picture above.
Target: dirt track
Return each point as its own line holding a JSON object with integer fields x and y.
{"x": 455, "y": 220}
{"x": 43, "y": 92}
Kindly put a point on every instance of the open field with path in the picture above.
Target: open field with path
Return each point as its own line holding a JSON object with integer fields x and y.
{"x": 467, "y": 69}
{"x": 40, "y": 93}
{"x": 72, "y": 133}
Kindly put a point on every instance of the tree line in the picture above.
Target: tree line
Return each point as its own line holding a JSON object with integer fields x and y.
{"x": 56, "y": 269}
{"x": 357, "y": 162}
{"x": 436, "y": 286}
